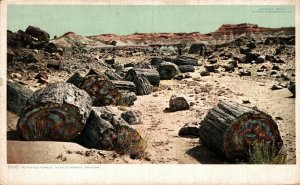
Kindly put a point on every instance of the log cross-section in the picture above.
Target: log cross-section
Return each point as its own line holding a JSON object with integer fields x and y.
{"x": 57, "y": 112}
{"x": 102, "y": 90}
{"x": 230, "y": 129}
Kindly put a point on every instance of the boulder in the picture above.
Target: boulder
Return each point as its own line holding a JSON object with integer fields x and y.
{"x": 178, "y": 102}
{"x": 213, "y": 61}
{"x": 260, "y": 59}
{"x": 210, "y": 68}
{"x": 189, "y": 130}
{"x": 244, "y": 50}
{"x": 270, "y": 58}
{"x": 204, "y": 73}
{"x": 233, "y": 63}
{"x": 28, "y": 58}
{"x": 36, "y": 32}
{"x": 110, "y": 61}
{"x": 251, "y": 45}
{"x": 251, "y": 57}
{"x": 240, "y": 58}
{"x": 127, "y": 99}
{"x": 132, "y": 117}
{"x": 76, "y": 79}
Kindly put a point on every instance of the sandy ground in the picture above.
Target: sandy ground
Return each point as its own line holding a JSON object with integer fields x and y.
{"x": 160, "y": 128}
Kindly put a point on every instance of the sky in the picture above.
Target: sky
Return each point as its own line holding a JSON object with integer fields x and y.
{"x": 88, "y": 20}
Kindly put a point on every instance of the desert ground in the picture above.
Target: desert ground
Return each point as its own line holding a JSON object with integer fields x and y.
{"x": 261, "y": 84}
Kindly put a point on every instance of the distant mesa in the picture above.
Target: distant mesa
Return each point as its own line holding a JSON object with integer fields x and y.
{"x": 227, "y": 31}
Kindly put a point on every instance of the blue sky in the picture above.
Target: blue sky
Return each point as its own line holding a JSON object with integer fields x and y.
{"x": 90, "y": 20}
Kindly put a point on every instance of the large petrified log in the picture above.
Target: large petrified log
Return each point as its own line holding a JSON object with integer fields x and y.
{"x": 125, "y": 86}
{"x": 151, "y": 74}
{"x": 143, "y": 86}
{"x": 57, "y": 112}
{"x": 167, "y": 70}
{"x": 102, "y": 90}
{"x": 231, "y": 129}
{"x": 17, "y": 96}
{"x": 105, "y": 130}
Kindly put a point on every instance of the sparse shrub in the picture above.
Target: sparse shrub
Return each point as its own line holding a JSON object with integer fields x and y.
{"x": 266, "y": 153}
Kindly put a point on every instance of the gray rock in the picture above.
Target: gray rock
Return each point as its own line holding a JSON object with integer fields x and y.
{"x": 133, "y": 117}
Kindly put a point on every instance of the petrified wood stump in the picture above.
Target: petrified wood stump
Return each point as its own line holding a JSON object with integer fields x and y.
{"x": 57, "y": 112}
{"x": 230, "y": 129}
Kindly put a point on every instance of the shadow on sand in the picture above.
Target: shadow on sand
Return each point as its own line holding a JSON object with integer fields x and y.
{"x": 13, "y": 135}
{"x": 204, "y": 156}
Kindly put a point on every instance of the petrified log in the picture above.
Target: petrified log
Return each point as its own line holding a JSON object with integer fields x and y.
{"x": 98, "y": 132}
{"x": 151, "y": 74}
{"x": 102, "y": 91}
{"x": 230, "y": 129}
{"x": 125, "y": 86}
{"x": 57, "y": 112}
{"x": 143, "y": 86}
{"x": 17, "y": 96}
{"x": 112, "y": 75}
{"x": 105, "y": 130}
{"x": 167, "y": 70}
{"x": 186, "y": 68}
{"x": 76, "y": 79}
{"x": 184, "y": 60}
